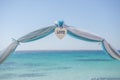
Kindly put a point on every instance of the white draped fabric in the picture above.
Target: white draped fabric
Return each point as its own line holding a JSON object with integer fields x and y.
{"x": 35, "y": 35}
{"x": 40, "y": 33}
{"x": 83, "y": 35}
{"x": 11, "y": 48}
{"x": 90, "y": 37}
{"x": 110, "y": 50}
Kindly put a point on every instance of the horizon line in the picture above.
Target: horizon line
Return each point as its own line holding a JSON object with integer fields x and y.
{"x": 63, "y": 50}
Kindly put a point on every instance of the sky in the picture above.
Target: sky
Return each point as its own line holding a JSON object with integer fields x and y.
{"x": 19, "y": 17}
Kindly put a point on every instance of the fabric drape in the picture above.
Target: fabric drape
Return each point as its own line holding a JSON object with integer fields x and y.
{"x": 35, "y": 35}
{"x": 10, "y": 49}
{"x": 110, "y": 50}
{"x": 90, "y": 37}
{"x": 40, "y": 33}
{"x": 83, "y": 35}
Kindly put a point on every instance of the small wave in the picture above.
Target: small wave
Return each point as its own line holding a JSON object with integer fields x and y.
{"x": 57, "y": 68}
{"x": 94, "y": 60}
{"x": 38, "y": 64}
{"x": 9, "y": 63}
{"x": 8, "y": 75}
{"x": 32, "y": 75}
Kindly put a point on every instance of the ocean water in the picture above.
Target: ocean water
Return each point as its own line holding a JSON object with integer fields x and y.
{"x": 60, "y": 65}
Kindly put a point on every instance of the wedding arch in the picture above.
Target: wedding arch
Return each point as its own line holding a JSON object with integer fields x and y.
{"x": 60, "y": 30}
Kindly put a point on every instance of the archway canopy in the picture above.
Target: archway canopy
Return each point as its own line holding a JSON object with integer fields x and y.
{"x": 60, "y": 29}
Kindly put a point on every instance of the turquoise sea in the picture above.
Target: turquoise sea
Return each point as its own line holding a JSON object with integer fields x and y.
{"x": 60, "y": 65}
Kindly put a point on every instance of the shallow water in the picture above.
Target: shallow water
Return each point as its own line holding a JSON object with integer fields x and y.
{"x": 60, "y": 65}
